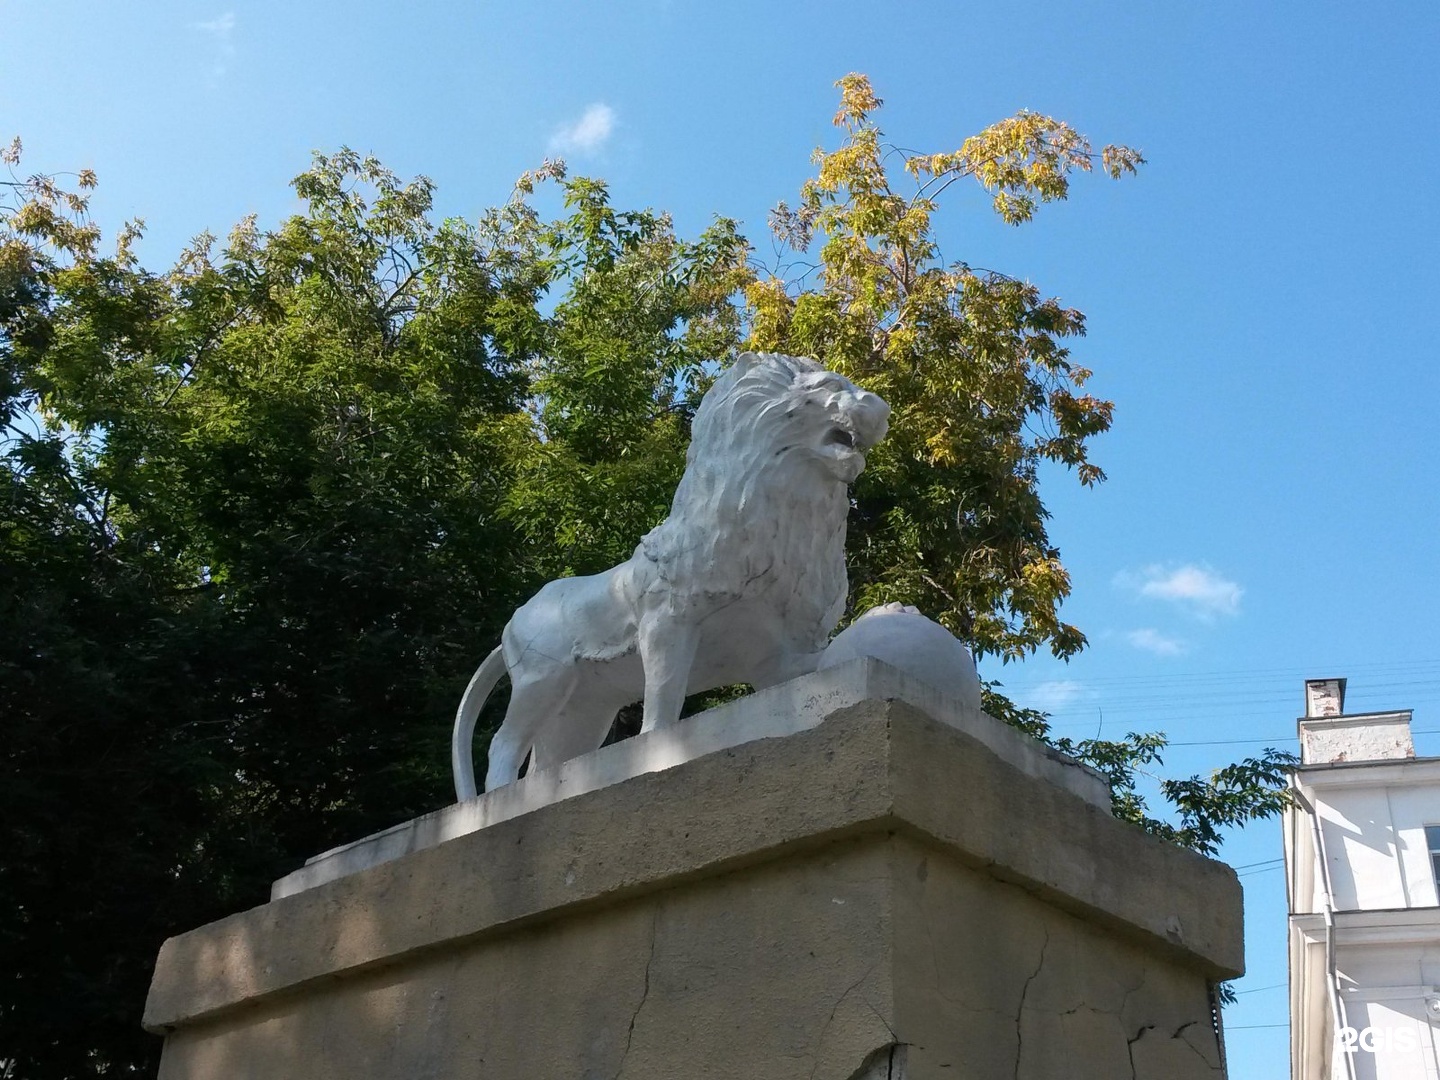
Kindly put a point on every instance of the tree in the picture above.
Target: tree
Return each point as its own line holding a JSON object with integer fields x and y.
{"x": 88, "y": 783}
{"x": 948, "y": 514}
{"x": 628, "y": 352}
{"x": 247, "y": 564}
{"x": 264, "y": 511}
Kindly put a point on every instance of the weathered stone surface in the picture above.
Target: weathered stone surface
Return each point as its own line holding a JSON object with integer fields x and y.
{"x": 675, "y": 983}
{"x": 1330, "y": 740}
{"x": 879, "y": 890}
{"x": 782, "y": 710}
{"x": 999, "y": 983}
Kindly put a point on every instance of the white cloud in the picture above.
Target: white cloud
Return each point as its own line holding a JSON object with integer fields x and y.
{"x": 221, "y": 26}
{"x": 586, "y": 135}
{"x": 1154, "y": 641}
{"x": 1196, "y": 587}
{"x": 222, "y": 30}
{"x": 1050, "y": 697}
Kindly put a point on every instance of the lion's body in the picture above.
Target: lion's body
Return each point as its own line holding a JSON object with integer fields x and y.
{"x": 742, "y": 583}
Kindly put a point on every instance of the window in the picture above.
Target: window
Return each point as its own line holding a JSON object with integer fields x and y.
{"x": 1432, "y": 841}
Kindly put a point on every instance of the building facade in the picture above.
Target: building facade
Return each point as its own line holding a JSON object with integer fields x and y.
{"x": 1362, "y": 860}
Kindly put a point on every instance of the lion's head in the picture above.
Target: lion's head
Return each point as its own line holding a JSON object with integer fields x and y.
{"x": 763, "y": 501}
{"x": 770, "y": 412}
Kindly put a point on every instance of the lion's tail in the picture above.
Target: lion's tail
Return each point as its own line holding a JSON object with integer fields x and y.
{"x": 462, "y": 741}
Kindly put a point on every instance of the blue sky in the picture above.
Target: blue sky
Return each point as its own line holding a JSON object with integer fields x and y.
{"x": 1259, "y": 298}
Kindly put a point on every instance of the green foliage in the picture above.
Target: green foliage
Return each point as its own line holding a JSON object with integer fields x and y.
{"x": 628, "y": 352}
{"x": 249, "y": 556}
{"x": 263, "y": 512}
{"x": 1249, "y": 790}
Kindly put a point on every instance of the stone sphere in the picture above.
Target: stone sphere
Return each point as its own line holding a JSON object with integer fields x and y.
{"x": 898, "y": 635}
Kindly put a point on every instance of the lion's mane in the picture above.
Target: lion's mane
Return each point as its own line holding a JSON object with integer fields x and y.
{"x": 748, "y": 516}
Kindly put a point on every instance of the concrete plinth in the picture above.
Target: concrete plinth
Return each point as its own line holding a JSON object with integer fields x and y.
{"x": 880, "y": 894}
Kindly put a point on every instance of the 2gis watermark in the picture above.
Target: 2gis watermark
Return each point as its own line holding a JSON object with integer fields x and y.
{"x": 1378, "y": 1040}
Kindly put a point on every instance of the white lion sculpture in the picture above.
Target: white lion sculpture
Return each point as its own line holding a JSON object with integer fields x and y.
{"x": 742, "y": 583}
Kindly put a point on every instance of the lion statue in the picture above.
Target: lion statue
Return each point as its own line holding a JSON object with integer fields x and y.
{"x": 742, "y": 583}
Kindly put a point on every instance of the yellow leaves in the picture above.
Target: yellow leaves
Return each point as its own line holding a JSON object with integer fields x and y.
{"x": 550, "y": 169}
{"x": 770, "y": 308}
{"x": 940, "y": 448}
{"x": 914, "y": 222}
{"x": 918, "y": 165}
{"x": 1119, "y": 160}
{"x": 125, "y": 240}
{"x": 33, "y": 218}
{"x": 244, "y": 239}
{"x": 855, "y": 166}
{"x": 1079, "y": 416}
{"x": 902, "y": 340}
{"x": 11, "y": 154}
{"x": 1046, "y": 576}
{"x": 1013, "y": 209}
{"x": 973, "y": 363}
{"x": 1022, "y": 161}
{"x": 857, "y": 100}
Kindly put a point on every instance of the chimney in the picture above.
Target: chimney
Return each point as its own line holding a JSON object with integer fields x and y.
{"x": 1330, "y": 736}
{"x": 1324, "y": 697}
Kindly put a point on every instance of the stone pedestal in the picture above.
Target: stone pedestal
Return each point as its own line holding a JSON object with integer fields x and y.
{"x": 887, "y": 886}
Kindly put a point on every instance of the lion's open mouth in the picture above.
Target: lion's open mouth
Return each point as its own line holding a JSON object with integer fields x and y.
{"x": 842, "y": 437}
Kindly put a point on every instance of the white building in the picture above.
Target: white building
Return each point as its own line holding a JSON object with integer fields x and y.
{"x": 1362, "y": 858}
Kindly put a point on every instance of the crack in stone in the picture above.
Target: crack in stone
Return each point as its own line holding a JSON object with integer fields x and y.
{"x": 934, "y": 954}
{"x": 1196, "y": 1050}
{"x": 883, "y": 1022}
{"x": 1024, "y": 992}
{"x": 644, "y": 993}
{"x": 1118, "y": 1013}
{"x": 890, "y": 1061}
{"x": 1088, "y": 1008}
{"x": 820, "y": 1042}
{"x": 1130, "y": 1046}
{"x": 893, "y": 1058}
{"x": 1178, "y": 1033}
{"x": 1125, "y": 999}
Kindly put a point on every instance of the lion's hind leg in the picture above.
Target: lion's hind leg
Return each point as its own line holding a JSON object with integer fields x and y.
{"x": 537, "y": 703}
{"x": 579, "y": 729}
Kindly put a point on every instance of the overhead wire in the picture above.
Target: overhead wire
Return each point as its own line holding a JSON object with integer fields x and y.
{"x": 1232, "y": 675}
{"x": 1257, "y": 989}
{"x": 1271, "y": 741}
